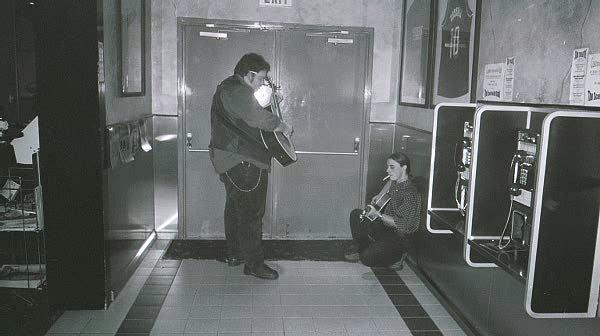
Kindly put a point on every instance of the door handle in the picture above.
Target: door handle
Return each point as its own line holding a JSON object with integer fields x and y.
{"x": 188, "y": 140}
{"x": 356, "y": 145}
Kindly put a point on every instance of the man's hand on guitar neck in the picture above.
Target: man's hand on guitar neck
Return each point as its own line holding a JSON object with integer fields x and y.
{"x": 374, "y": 199}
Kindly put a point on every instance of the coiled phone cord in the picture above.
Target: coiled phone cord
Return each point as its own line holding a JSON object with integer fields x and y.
{"x": 500, "y": 245}
{"x": 462, "y": 209}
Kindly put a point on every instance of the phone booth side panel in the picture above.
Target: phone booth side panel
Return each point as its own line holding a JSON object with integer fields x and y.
{"x": 564, "y": 263}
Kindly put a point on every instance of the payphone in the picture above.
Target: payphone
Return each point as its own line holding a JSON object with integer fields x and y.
{"x": 462, "y": 161}
{"x": 521, "y": 187}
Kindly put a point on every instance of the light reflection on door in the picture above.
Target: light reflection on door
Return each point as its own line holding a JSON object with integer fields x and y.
{"x": 206, "y": 62}
{"x": 323, "y": 85}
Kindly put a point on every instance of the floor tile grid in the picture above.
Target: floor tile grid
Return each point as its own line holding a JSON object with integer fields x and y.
{"x": 241, "y": 302}
{"x": 143, "y": 313}
{"x": 438, "y": 313}
{"x": 107, "y": 322}
{"x": 238, "y": 292}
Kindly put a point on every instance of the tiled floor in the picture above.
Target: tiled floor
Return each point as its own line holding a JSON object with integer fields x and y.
{"x": 310, "y": 298}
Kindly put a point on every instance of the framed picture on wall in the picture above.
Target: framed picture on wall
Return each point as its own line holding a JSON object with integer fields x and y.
{"x": 455, "y": 51}
{"x": 417, "y": 39}
{"x": 132, "y": 47}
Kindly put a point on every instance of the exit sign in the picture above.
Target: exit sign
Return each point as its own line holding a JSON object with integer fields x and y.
{"x": 275, "y": 3}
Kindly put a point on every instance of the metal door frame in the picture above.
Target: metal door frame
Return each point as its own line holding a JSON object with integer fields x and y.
{"x": 265, "y": 25}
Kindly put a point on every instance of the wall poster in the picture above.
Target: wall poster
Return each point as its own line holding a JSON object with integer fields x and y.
{"x": 509, "y": 78}
{"x": 592, "y": 81}
{"x": 578, "y": 72}
{"x": 454, "y": 51}
{"x": 416, "y": 49}
{"x": 493, "y": 82}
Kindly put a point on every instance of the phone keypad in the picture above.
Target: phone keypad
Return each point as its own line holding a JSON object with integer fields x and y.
{"x": 523, "y": 177}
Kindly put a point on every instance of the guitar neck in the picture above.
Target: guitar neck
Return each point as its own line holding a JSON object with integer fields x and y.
{"x": 274, "y": 102}
{"x": 275, "y": 106}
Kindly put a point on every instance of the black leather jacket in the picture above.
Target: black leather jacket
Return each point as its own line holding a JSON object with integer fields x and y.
{"x": 236, "y": 120}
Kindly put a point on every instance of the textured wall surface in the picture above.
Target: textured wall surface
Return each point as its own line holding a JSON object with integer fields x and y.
{"x": 542, "y": 34}
{"x": 383, "y": 15}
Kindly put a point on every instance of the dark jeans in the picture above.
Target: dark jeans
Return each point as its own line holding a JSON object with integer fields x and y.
{"x": 378, "y": 245}
{"x": 246, "y": 189}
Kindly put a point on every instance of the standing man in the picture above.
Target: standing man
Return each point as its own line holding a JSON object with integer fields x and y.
{"x": 242, "y": 161}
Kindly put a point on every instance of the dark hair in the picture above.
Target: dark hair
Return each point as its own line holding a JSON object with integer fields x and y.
{"x": 402, "y": 159}
{"x": 251, "y": 62}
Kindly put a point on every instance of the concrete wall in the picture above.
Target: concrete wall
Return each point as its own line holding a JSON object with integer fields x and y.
{"x": 542, "y": 34}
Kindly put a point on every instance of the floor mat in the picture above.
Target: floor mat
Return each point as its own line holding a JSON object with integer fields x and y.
{"x": 325, "y": 250}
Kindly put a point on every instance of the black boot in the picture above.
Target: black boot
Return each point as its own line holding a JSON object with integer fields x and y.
{"x": 261, "y": 271}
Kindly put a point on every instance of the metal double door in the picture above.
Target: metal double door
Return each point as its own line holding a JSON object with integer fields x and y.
{"x": 324, "y": 80}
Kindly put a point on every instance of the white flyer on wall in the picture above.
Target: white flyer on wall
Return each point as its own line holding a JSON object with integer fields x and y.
{"x": 592, "y": 81}
{"x": 493, "y": 82}
{"x": 509, "y": 78}
{"x": 578, "y": 72}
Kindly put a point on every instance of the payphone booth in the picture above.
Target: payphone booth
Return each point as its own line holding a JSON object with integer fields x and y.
{"x": 564, "y": 264}
{"x": 505, "y": 142}
{"x": 450, "y": 168}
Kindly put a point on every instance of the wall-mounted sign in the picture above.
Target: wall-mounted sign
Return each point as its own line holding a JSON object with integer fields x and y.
{"x": 216, "y": 35}
{"x": 578, "y": 72}
{"x": 509, "y": 78}
{"x": 493, "y": 82}
{"x": 340, "y": 40}
{"x": 275, "y": 3}
{"x": 592, "y": 81}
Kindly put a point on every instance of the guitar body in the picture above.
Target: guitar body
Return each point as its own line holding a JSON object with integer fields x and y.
{"x": 379, "y": 205}
{"x": 278, "y": 145}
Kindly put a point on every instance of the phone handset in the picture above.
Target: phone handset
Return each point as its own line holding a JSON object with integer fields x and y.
{"x": 464, "y": 162}
{"x": 520, "y": 172}
{"x": 514, "y": 174}
{"x": 521, "y": 179}
{"x": 463, "y": 167}
{"x": 514, "y": 190}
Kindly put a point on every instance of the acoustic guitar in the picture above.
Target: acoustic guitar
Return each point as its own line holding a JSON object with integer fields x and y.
{"x": 379, "y": 204}
{"x": 277, "y": 144}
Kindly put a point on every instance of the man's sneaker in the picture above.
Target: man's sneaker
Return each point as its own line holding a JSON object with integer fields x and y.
{"x": 262, "y": 271}
{"x": 352, "y": 257}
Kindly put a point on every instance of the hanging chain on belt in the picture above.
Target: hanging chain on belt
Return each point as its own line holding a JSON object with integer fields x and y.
{"x": 244, "y": 190}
